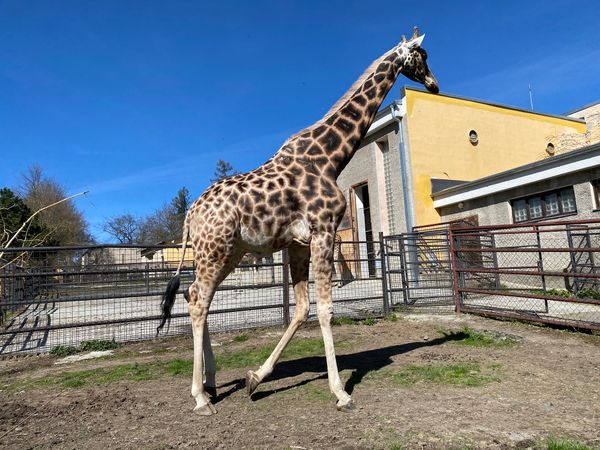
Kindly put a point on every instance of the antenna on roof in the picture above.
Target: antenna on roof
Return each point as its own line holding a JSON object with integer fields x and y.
{"x": 530, "y": 97}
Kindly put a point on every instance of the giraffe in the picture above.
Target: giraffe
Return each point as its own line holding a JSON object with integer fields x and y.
{"x": 291, "y": 201}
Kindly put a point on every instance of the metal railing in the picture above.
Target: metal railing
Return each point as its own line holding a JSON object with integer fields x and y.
{"x": 543, "y": 272}
{"x": 63, "y": 296}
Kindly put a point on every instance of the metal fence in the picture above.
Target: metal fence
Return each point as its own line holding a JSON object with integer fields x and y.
{"x": 64, "y": 296}
{"x": 544, "y": 272}
{"x": 419, "y": 272}
{"x": 547, "y": 272}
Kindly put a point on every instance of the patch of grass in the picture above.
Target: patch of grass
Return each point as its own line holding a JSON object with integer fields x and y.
{"x": 344, "y": 320}
{"x": 588, "y": 293}
{"x": 480, "y": 339}
{"x": 63, "y": 350}
{"x": 179, "y": 367}
{"x": 157, "y": 369}
{"x": 369, "y": 321}
{"x": 87, "y": 346}
{"x": 241, "y": 338}
{"x": 467, "y": 374}
{"x": 98, "y": 346}
{"x": 251, "y": 357}
{"x": 560, "y": 444}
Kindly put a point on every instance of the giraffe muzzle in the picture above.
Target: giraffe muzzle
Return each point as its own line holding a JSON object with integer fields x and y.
{"x": 431, "y": 84}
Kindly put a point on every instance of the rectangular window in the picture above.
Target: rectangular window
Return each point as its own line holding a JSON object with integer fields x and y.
{"x": 520, "y": 210}
{"x": 535, "y": 208}
{"x": 547, "y": 204}
{"x": 552, "y": 208}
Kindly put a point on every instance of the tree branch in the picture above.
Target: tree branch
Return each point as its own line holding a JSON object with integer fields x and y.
{"x": 10, "y": 241}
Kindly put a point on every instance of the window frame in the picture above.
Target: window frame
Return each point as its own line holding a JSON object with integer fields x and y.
{"x": 542, "y": 196}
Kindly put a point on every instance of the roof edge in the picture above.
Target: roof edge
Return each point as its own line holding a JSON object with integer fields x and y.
{"x": 517, "y": 171}
{"x": 485, "y": 102}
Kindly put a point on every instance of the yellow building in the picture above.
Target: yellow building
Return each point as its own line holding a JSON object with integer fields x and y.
{"x": 426, "y": 142}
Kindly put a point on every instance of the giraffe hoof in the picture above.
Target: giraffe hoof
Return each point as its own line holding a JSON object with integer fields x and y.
{"x": 252, "y": 382}
{"x": 211, "y": 391}
{"x": 205, "y": 410}
{"x": 346, "y": 407}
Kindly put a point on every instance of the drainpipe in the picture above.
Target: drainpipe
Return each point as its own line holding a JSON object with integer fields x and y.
{"x": 405, "y": 172}
{"x": 412, "y": 258}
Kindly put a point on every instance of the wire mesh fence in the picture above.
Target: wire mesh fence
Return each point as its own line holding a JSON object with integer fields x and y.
{"x": 64, "y": 296}
{"x": 545, "y": 272}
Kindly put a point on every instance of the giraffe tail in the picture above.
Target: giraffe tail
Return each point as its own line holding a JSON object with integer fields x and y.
{"x": 173, "y": 286}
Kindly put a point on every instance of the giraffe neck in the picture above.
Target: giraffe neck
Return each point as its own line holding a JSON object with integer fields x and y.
{"x": 333, "y": 140}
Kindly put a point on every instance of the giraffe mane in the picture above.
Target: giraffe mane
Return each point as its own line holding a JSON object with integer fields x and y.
{"x": 350, "y": 92}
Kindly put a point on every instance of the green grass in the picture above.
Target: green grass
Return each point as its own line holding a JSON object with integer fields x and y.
{"x": 87, "y": 346}
{"x": 63, "y": 350}
{"x": 252, "y": 357}
{"x": 474, "y": 338}
{"x": 559, "y": 444}
{"x": 241, "y": 338}
{"x": 344, "y": 320}
{"x": 466, "y": 374}
{"x": 158, "y": 369}
{"x": 98, "y": 346}
{"x": 583, "y": 293}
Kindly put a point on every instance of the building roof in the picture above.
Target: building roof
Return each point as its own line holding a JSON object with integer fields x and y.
{"x": 589, "y": 105}
{"x": 385, "y": 116}
{"x": 559, "y": 165}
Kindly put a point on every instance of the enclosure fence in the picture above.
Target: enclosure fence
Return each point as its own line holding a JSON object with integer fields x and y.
{"x": 543, "y": 272}
{"x": 64, "y": 296}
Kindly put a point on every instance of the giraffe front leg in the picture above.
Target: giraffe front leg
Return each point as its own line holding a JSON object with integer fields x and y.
{"x": 322, "y": 258}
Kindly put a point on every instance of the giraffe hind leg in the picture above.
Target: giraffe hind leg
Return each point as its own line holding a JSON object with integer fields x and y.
{"x": 299, "y": 266}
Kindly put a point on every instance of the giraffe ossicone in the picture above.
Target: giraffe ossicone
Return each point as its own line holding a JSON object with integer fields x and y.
{"x": 291, "y": 201}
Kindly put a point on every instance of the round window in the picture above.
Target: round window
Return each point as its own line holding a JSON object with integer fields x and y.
{"x": 473, "y": 138}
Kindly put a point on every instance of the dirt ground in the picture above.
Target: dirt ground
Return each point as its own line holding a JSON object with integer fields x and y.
{"x": 544, "y": 386}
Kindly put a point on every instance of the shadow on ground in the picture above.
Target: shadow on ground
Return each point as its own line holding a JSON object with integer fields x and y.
{"x": 361, "y": 363}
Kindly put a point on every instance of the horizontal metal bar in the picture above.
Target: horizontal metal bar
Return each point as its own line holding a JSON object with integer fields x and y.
{"x": 532, "y": 317}
{"x": 132, "y": 319}
{"x": 589, "y": 301}
{"x": 528, "y": 250}
{"x": 526, "y": 225}
{"x": 135, "y": 294}
{"x": 503, "y": 271}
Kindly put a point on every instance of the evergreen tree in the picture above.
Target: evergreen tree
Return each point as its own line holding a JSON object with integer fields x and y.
{"x": 222, "y": 171}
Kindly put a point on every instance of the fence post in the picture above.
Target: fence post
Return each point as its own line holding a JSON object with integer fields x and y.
{"x": 454, "y": 265}
{"x": 286, "y": 286}
{"x": 386, "y": 298}
{"x": 147, "y": 277}
{"x": 540, "y": 265}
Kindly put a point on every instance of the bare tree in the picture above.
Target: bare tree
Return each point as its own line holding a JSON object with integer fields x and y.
{"x": 124, "y": 228}
{"x": 9, "y": 237}
{"x": 64, "y": 221}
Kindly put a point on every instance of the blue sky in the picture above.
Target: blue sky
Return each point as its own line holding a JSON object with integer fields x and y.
{"x": 132, "y": 100}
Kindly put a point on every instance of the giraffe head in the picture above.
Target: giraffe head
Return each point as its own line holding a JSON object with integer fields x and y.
{"x": 414, "y": 64}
